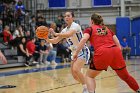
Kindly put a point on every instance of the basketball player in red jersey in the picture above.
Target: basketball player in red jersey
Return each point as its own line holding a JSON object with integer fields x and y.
{"x": 107, "y": 53}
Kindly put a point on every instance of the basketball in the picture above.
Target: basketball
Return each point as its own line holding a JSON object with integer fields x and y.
{"x": 42, "y": 32}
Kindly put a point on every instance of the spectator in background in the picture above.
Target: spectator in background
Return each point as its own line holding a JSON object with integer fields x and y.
{"x": 20, "y": 8}
{"x": 1, "y": 28}
{"x": 63, "y": 51}
{"x": 38, "y": 15}
{"x": 7, "y": 36}
{"x": 2, "y": 7}
{"x": 28, "y": 35}
{"x": 59, "y": 21}
{"x": 22, "y": 51}
{"x": 18, "y": 32}
{"x": 52, "y": 54}
{"x": 31, "y": 47}
{"x": 20, "y": 12}
{"x": 43, "y": 50}
{"x": 53, "y": 26}
{"x": 41, "y": 21}
{"x": 10, "y": 16}
{"x": 32, "y": 24}
{"x": 125, "y": 48}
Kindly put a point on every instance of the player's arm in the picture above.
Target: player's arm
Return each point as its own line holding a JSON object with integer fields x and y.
{"x": 82, "y": 42}
{"x": 66, "y": 34}
{"x": 81, "y": 45}
{"x": 116, "y": 41}
{"x": 54, "y": 40}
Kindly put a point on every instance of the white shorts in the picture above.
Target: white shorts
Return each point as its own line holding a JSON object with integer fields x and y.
{"x": 84, "y": 54}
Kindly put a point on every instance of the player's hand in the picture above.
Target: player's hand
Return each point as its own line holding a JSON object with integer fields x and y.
{"x": 75, "y": 56}
{"x": 52, "y": 31}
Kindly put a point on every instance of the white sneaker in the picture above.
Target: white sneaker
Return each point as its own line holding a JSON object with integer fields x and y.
{"x": 85, "y": 90}
{"x": 34, "y": 62}
{"x": 26, "y": 64}
{"x": 41, "y": 63}
{"x": 53, "y": 63}
{"x": 47, "y": 63}
{"x": 37, "y": 65}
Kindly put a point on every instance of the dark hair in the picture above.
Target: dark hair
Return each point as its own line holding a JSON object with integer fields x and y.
{"x": 33, "y": 16}
{"x": 72, "y": 13}
{"x": 19, "y": 3}
{"x": 32, "y": 38}
{"x": 98, "y": 20}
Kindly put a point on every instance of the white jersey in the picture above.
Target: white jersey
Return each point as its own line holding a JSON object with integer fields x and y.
{"x": 74, "y": 40}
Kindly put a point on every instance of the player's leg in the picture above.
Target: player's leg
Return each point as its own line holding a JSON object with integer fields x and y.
{"x": 92, "y": 72}
{"x": 99, "y": 62}
{"x": 76, "y": 70}
{"x": 125, "y": 76}
{"x": 90, "y": 79}
{"x": 119, "y": 66}
{"x": 78, "y": 65}
{"x": 77, "y": 74}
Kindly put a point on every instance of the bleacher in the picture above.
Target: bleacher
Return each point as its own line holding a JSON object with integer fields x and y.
{"x": 11, "y": 56}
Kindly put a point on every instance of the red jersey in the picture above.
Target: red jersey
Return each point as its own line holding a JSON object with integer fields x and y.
{"x": 97, "y": 40}
{"x": 31, "y": 47}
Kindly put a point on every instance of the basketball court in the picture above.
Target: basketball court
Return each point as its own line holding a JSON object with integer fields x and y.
{"x": 51, "y": 79}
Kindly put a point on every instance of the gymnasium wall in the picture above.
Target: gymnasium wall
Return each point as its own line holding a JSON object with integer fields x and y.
{"x": 130, "y": 28}
{"x": 83, "y": 9}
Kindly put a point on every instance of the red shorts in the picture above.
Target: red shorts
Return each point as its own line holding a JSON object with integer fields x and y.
{"x": 105, "y": 57}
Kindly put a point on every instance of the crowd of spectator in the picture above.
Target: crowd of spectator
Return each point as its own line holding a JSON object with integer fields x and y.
{"x": 22, "y": 36}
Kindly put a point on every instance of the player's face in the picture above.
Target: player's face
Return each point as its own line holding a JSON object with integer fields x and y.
{"x": 23, "y": 40}
{"x": 68, "y": 18}
{"x": 91, "y": 22}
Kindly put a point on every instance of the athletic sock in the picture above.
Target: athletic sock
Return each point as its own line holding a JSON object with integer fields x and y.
{"x": 84, "y": 86}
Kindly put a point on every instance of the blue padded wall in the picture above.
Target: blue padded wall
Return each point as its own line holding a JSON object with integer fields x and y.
{"x": 136, "y": 34}
{"x": 122, "y": 27}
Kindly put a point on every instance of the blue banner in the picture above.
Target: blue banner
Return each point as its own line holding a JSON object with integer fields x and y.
{"x": 99, "y": 3}
{"x": 57, "y": 3}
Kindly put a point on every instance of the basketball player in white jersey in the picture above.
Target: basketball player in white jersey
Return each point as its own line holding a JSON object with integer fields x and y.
{"x": 73, "y": 35}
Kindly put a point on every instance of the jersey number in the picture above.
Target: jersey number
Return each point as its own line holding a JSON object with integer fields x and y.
{"x": 99, "y": 30}
{"x": 70, "y": 42}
